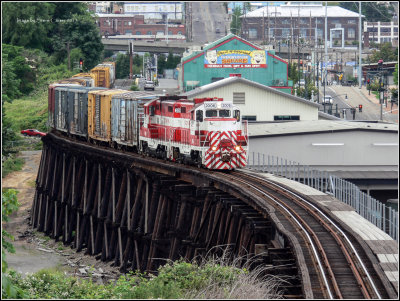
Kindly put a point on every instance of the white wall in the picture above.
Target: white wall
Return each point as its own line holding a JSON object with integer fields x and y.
{"x": 358, "y": 148}
{"x": 262, "y": 103}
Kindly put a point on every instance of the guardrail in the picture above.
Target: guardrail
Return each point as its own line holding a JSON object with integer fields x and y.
{"x": 382, "y": 216}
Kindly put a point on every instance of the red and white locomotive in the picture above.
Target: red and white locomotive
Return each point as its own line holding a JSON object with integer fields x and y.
{"x": 206, "y": 132}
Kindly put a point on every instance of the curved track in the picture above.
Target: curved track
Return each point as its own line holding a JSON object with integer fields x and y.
{"x": 135, "y": 210}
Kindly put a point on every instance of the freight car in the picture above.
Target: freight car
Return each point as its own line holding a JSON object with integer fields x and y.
{"x": 204, "y": 132}
{"x": 68, "y": 106}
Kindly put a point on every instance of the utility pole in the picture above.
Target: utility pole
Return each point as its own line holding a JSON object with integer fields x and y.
{"x": 130, "y": 59}
{"x": 359, "y": 45}
{"x": 326, "y": 49}
{"x": 69, "y": 59}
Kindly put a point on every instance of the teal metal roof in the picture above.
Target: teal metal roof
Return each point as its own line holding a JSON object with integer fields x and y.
{"x": 215, "y": 43}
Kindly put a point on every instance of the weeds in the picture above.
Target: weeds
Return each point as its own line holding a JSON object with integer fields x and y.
{"x": 211, "y": 277}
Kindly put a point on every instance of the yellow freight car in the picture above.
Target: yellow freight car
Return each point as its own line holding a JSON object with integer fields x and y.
{"x": 90, "y": 77}
{"x": 99, "y": 114}
{"x": 102, "y": 74}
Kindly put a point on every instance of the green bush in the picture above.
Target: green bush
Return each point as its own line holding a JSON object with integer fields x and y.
{"x": 11, "y": 164}
{"x": 134, "y": 88}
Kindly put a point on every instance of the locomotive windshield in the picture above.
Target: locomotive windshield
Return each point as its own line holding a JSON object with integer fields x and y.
{"x": 218, "y": 113}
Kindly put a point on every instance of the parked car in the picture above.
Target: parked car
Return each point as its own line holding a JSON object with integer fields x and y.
{"x": 149, "y": 85}
{"x": 32, "y": 132}
{"x": 327, "y": 99}
{"x": 347, "y": 83}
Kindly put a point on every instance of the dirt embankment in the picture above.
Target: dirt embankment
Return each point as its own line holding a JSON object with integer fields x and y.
{"x": 34, "y": 251}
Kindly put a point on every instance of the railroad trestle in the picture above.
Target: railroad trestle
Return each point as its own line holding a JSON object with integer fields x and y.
{"x": 138, "y": 216}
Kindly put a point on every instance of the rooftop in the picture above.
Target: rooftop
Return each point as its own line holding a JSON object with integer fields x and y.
{"x": 301, "y": 11}
{"x": 305, "y": 127}
{"x": 231, "y": 80}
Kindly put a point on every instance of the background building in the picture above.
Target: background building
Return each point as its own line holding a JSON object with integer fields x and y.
{"x": 381, "y": 32}
{"x": 233, "y": 55}
{"x": 304, "y": 20}
{"x": 174, "y": 11}
{"x": 128, "y": 24}
{"x": 258, "y": 102}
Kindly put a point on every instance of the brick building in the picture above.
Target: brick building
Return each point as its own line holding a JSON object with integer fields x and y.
{"x": 128, "y": 24}
{"x": 302, "y": 19}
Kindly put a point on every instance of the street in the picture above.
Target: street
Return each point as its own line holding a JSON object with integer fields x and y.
{"x": 207, "y": 18}
{"x": 371, "y": 109}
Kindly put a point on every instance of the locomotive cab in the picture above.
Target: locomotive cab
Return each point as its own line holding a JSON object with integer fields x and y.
{"x": 224, "y": 136}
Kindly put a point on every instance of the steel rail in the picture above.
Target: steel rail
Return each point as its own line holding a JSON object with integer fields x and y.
{"x": 372, "y": 284}
{"x": 300, "y": 222}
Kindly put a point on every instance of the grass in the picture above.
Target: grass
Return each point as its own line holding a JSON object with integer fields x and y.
{"x": 28, "y": 112}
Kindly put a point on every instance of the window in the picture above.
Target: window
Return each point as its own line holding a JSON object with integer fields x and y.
{"x": 320, "y": 21}
{"x": 249, "y": 118}
{"x": 125, "y": 23}
{"x": 179, "y": 32}
{"x": 224, "y": 113}
{"x": 211, "y": 113}
{"x": 199, "y": 116}
{"x": 183, "y": 110}
{"x": 336, "y": 34}
{"x": 335, "y": 21}
{"x": 119, "y": 23}
{"x": 129, "y": 23}
{"x": 271, "y": 32}
{"x": 338, "y": 25}
{"x": 303, "y": 32}
{"x": 304, "y": 21}
{"x": 138, "y": 33}
{"x": 149, "y": 32}
{"x": 351, "y": 33}
{"x": 236, "y": 114}
{"x": 252, "y": 33}
{"x": 320, "y": 32}
{"x": 239, "y": 98}
{"x": 281, "y": 117}
{"x": 387, "y": 29}
{"x": 285, "y": 32}
{"x": 372, "y": 29}
{"x": 105, "y": 23}
{"x": 351, "y": 22}
{"x": 285, "y": 21}
{"x": 170, "y": 109}
{"x": 128, "y": 31}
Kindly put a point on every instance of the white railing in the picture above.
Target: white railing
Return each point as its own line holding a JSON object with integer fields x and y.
{"x": 382, "y": 216}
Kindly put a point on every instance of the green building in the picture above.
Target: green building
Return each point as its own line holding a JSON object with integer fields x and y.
{"x": 233, "y": 56}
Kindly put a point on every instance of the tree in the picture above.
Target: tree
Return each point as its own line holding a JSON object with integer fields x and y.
{"x": 236, "y": 23}
{"x": 396, "y": 74}
{"x": 372, "y": 11}
{"x": 27, "y": 24}
{"x": 385, "y": 52}
{"x": 20, "y": 76}
{"x": 83, "y": 34}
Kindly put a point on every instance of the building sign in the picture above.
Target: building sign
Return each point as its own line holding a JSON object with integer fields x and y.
{"x": 235, "y": 59}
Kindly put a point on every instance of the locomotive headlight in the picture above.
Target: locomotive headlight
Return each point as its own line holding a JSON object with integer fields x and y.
{"x": 238, "y": 148}
{"x": 214, "y": 148}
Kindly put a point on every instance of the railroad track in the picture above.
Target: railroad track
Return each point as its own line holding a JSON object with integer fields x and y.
{"x": 338, "y": 266}
{"x": 134, "y": 210}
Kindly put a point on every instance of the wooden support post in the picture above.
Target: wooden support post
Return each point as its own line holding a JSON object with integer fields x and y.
{"x": 146, "y": 216}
